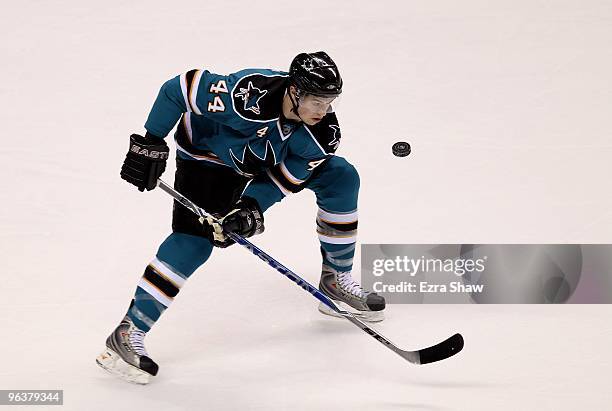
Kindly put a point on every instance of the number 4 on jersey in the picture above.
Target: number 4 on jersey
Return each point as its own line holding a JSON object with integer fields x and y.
{"x": 217, "y": 104}
{"x": 220, "y": 87}
{"x": 313, "y": 164}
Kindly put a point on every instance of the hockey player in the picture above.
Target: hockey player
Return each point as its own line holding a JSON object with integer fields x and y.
{"x": 244, "y": 142}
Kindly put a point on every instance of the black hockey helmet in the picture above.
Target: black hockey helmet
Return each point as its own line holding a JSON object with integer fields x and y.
{"x": 315, "y": 73}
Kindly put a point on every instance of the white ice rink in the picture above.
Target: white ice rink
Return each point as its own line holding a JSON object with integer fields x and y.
{"x": 506, "y": 104}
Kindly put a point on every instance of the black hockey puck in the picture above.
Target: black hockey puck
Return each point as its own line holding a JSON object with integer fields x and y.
{"x": 401, "y": 149}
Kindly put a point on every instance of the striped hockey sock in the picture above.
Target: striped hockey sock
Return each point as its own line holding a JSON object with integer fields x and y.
{"x": 337, "y": 235}
{"x": 155, "y": 292}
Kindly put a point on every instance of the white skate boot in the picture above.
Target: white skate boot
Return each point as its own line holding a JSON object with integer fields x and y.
{"x": 125, "y": 355}
{"x": 348, "y": 294}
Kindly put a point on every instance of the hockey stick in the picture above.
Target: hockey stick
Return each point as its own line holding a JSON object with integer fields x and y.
{"x": 441, "y": 351}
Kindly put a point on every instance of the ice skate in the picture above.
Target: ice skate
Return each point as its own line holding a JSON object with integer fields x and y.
{"x": 125, "y": 355}
{"x": 350, "y": 296}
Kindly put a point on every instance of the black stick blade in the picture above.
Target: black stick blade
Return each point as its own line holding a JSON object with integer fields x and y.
{"x": 442, "y": 351}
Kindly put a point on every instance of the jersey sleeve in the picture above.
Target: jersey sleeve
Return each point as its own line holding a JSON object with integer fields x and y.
{"x": 318, "y": 144}
{"x": 196, "y": 91}
{"x": 232, "y": 100}
{"x": 306, "y": 154}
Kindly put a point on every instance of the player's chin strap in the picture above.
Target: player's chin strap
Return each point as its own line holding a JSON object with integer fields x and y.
{"x": 295, "y": 103}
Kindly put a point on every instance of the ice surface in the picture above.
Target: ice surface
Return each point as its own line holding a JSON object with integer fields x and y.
{"x": 506, "y": 105}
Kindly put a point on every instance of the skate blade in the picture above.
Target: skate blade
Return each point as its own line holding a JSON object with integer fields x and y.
{"x": 367, "y": 316}
{"x": 114, "y": 364}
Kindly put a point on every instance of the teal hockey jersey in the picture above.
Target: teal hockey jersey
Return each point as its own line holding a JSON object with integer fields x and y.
{"x": 236, "y": 121}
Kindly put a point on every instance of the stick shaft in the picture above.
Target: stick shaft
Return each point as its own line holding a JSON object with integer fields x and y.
{"x": 411, "y": 356}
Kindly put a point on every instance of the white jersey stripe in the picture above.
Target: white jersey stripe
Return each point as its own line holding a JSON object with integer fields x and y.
{"x": 183, "y": 81}
{"x": 193, "y": 92}
{"x": 278, "y": 184}
{"x": 288, "y": 174}
{"x": 199, "y": 157}
{"x": 187, "y": 119}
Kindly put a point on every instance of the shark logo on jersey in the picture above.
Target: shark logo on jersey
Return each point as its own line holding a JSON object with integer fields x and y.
{"x": 335, "y": 140}
{"x": 251, "y": 163}
{"x": 251, "y": 96}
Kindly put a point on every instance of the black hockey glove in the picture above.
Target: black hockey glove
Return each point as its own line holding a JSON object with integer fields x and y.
{"x": 245, "y": 219}
{"x": 145, "y": 161}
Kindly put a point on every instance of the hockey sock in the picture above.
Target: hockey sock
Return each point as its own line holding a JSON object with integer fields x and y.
{"x": 337, "y": 235}
{"x": 338, "y": 256}
{"x": 177, "y": 258}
